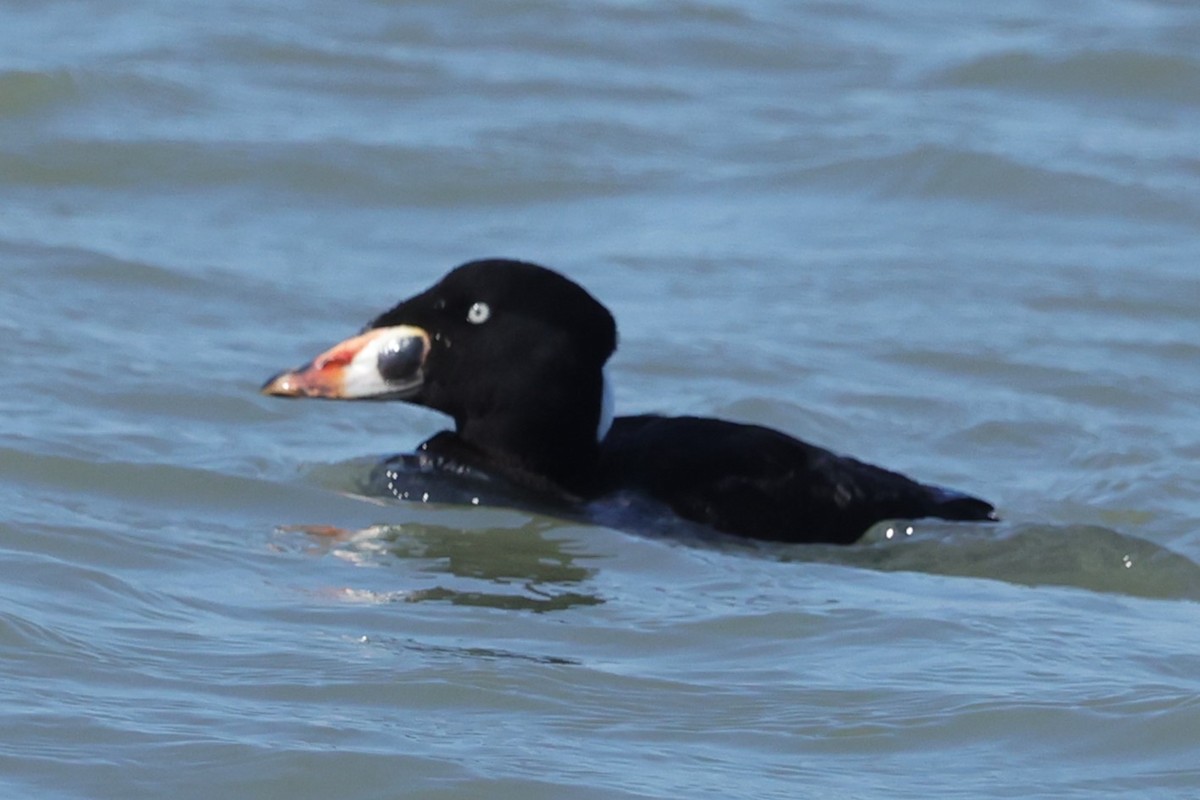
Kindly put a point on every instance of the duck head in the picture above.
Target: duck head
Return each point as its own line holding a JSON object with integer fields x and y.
{"x": 513, "y": 352}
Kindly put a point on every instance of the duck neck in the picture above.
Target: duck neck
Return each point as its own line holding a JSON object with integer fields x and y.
{"x": 555, "y": 435}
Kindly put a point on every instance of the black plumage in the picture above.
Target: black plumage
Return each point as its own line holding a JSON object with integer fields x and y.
{"x": 514, "y": 354}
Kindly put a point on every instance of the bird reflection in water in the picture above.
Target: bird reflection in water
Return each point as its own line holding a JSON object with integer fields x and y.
{"x": 523, "y": 568}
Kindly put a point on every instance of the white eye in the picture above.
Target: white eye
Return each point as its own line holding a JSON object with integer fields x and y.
{"x": 478, "y": 313}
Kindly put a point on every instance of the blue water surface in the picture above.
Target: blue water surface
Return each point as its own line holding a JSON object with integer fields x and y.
{"x": 958, "y": 241}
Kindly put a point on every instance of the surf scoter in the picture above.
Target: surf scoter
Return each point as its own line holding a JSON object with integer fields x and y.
{"x": 515, "y": 354}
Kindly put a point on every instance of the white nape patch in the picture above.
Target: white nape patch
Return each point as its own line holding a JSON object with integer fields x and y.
{"x": 607, "y": 406}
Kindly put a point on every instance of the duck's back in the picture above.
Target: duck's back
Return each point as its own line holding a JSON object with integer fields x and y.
{"x": 760, "y": 483}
